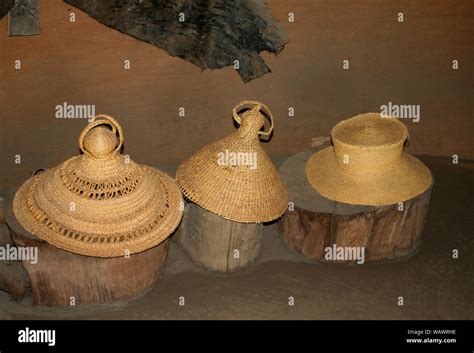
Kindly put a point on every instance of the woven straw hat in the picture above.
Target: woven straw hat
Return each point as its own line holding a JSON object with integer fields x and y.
{"x": 100, "y": 203}
{"x": 366, "y": 164}
{"x": 233, "y": 177}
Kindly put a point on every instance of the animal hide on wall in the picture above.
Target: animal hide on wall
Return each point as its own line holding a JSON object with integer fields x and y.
{"x": 211, "y": 34}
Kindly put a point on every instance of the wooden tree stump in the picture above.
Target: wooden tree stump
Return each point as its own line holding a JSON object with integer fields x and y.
{"x": 61, "y": 278}
{"x": 13, "y": 277}
{"x": 216, "y": 243}
{"x": 317, "y": 223}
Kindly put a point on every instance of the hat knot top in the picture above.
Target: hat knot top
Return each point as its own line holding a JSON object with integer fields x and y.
{"x": 368, "y": 143}
{"x": 99, "y": 141}
{"x": 252, "y": 120}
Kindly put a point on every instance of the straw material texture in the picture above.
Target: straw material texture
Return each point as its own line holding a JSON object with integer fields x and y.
{"x": 366, "y": 164}
{"x": 100, "y": 203}
{"x": 233, "y": 177}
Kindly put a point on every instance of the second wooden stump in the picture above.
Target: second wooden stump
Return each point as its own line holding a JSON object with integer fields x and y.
{"x": 216, "y": 243}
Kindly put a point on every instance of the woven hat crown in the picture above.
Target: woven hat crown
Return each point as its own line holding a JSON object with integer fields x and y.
{"x": 368, "y": 144}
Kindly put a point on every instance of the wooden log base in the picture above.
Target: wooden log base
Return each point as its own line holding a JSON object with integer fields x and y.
{"x": 317, "y": 223}
{"x": 13, "y": 277}
{"x": 62, "y": 278}
{"x": 216, "y": 243}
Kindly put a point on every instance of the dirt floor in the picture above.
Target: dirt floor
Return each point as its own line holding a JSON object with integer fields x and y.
{"x": 432, "y": 283}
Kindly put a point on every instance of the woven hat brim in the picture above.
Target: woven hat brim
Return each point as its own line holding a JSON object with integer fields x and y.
{"x": 409, "y": 179}
{"x": 139, "y": 244}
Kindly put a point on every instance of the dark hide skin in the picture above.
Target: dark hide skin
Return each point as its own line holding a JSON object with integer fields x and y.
{"x": 213, "y": 35}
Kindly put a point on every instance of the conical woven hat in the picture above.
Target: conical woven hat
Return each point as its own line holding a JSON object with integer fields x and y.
{"x": 100, "y": 203}
{"x": 366, "y": 164}
{"x": 234, "y": 177}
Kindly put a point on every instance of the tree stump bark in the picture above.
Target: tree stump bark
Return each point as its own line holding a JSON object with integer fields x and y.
{"x": 216, "y": 243}
{"x": 61, "y": 278}
{"x": 317, "y": 223}
{"x": 13, "y": 277}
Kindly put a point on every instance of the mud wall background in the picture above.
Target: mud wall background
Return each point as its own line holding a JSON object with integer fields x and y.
{"x": 82, "y": 62}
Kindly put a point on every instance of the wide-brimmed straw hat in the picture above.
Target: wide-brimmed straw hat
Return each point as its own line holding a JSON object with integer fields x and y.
{"x": 100, "y": 203}
{"x": 234, "y": 177}
{"x": 366, "y": 164}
